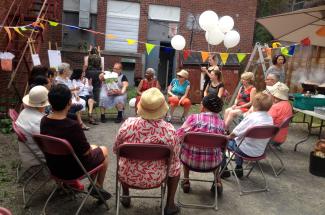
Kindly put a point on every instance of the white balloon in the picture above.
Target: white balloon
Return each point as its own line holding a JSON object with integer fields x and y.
{"x": 208, "y": 19}
{"x": 132, "y": 102}
{"x": 178, "y": 42}
{"x": 232, "y": 39}
{"x": 214, "y": 37}
{"x": 226, "y": 23}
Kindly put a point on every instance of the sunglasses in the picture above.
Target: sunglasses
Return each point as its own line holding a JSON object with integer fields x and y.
{"x": 180, "y": 76}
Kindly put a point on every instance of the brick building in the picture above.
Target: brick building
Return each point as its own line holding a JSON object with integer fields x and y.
{"x": 152, "y": 21}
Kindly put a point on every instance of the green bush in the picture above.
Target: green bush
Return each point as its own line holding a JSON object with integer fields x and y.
{"x": 5, "y": 126}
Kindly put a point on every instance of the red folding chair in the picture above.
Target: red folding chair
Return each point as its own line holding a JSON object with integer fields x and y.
{"x": 52, "y": 146}
{"x": 42, "y": 166}
{"x": 142, "y": 152}
{"x": 204, "y": 141}
{"x": 5, "y": 211}
{"x": 13, "y": 114}
{"x": 284, "y": 124}
{"x": 256, "y": 132}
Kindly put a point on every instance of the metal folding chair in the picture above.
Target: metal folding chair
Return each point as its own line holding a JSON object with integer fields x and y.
{"x": 52, "y": 146}
{"x": 5, "y": 211}
{"x": 204, "y": 141}
{"x": 142, "y": 152}
{"x": 256, "y": 132}
{"x": 42, "y": 166}
{"x": 284, "y": 124}
{"x": 13, "y": 114}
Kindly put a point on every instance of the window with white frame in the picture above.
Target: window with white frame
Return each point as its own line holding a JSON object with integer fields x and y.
{"x": 122, "y": 22}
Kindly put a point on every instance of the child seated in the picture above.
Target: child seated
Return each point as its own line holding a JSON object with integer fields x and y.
{"x": 251, "y": 147}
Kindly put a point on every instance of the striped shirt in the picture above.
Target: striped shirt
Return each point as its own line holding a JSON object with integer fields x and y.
{"x": 194, "y": 157}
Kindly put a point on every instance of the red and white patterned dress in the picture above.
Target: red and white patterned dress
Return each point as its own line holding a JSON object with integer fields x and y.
{"x": 147, "y": 174}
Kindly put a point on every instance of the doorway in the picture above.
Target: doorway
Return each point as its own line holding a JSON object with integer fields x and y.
{"x": 166, "y": 64}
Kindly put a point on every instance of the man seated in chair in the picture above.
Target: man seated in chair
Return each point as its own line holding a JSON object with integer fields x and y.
{"x": 29, "y": 121}
{"x": 150, "y": 128}
{"x": 250, "y": 147}
{"x": 207, "y": 121}
{"x": 58, "y": 125}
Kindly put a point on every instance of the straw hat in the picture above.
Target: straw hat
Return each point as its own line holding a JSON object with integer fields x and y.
{"x": 152, "y": 104}
{"x": 279, "y": 90}
{"x": 183, "y": 73}
{"x": 37, "y": 97}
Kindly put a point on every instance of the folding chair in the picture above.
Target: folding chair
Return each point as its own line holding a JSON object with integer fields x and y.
{"x": 52, "y": 146}
{"x": 256, "y": 132}
{"x": 284, "y": 124}
{"x": 22, "y": 138}
{"x": 142, "y": 152}
{"x": 204, "y": 141}
{"x": 5, "y": 211}
{"x": 13, "y": 114}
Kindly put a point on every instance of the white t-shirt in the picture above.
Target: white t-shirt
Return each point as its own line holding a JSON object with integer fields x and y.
{"x": 29, "y": 121}
{"x": 251, "y": 146}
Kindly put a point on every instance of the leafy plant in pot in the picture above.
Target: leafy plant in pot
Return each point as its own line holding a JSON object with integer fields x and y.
{"x": 317, "y": 159}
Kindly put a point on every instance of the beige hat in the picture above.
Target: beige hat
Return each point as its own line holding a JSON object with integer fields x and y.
{"x": 183, "y": 73}
{"x": 152, "y": 104}
{"x": 37, "y": 97}
{"x": 279, "y": 90}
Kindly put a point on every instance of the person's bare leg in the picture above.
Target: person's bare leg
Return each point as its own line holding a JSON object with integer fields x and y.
{"x": 186, "y": 110}
{"x": 186, "y": 172}
{"x": 102, "y": 172}
{"x": 90, "y": 106}
{"x": 172, "y": 184}
{"x": 171, "y": 112}
{"x": 231, "y": 116}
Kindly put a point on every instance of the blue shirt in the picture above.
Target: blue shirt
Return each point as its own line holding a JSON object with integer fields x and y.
{"x": 177, "y": 88}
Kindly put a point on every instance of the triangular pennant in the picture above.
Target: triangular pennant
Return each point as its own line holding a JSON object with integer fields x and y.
{"x": 224, "y": 57}
{"x": 186, "y": 54}
{"x": 321, "y": 31}
{"x": 205, "y": 56}
{"x": 306, "y": 41}
{"x": 276, "y": 45}
{"x": 110, "y": 36}
{"x": 285, "y": 51}
{"x": 18, "y": 31}
{"x": 292, "y": 50}
{"x": 23, "y": 28}
{"x": 41, "y": 25}
{"x": 149, "y": 47}
{"x": 53, "y": 23}
{"x": 130, "y": 41}
{"x": 8, "y": 32}
{"x": 167, "y": 50}
{"x": 240, "y": 57}
{"x": 73, "y": 27}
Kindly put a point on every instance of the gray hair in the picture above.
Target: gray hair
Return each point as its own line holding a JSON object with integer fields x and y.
{"x": 63, "y": 67}
{"x": 274, "y": 76}
{"x": 151, "y": 70}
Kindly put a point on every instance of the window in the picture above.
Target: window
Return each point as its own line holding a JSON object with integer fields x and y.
{"x": 122, "y": 21}
{"x": 298, "y": 4}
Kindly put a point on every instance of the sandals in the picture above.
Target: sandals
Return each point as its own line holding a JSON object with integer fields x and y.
{"x": 172, "y": 211}
{"x": 92, "y": 121}
{"x": 186, "y": 186}
{"x": 84, "y": 127}
{"x": 219, "y": 188}
{"x": 126, "y": 201}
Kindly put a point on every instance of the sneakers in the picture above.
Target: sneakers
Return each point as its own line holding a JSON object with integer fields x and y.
{"x": 103, "y": 118}
{"x": 172, "y": 211}
{"x": 239, "y": 171}
{"x": 186, "y": 186}
{"x": 126, "y": 202}
{"x": 118, "y": 120}
{"x": 106, "y": 195}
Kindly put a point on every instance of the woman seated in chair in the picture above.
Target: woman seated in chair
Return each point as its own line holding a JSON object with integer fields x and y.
{"x": 243, "y": 101}
{"x": 178, "y": 92}
{"x": 207, "y": 121}
{"x": 251, "y": 147}
{"x": 149, "y": 128}
{"x": 280, "y": 110}
{"x": 215, "y": 86}
{"x": 148, "y": 82}
{"x": 58, "y": 125}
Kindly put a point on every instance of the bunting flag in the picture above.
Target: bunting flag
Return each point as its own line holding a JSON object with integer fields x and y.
{"x": 285, "y": 51}
{"x": 41, "y": 25}
{"x": 186, "y": 54}
{"x": 54, "y": 24}
{"x": 131, "y": 42}
{"x": 18, "y": 31}
{"x": 205, "y": 56}
{"x": 23, "y": 28}
{"x": 276, "y": 45}
{"x": 240, "y": 57}
{"x": 321, "y": 31}
{"x": 268, "y": 52}
{"x": 110, "y": 36}
{"x": 8, "y": 32}
{"x": 224, "y": 57}
{"x": 149, "y": 47}
{"x": 167, "y": 50}
{"x": 292, "y": 50}
{"x": 305, "y": 42}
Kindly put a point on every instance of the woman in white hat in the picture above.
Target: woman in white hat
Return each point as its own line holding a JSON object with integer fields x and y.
{"x": 149, "y": 127}
{"x": 280, "y": 110}
{"x": 29, "y": 122}
{"x": 178, "y": 92}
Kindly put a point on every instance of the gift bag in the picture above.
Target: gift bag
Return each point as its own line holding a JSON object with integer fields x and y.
{"x": 6, "y": 61}
{"x": 111, "y": 80}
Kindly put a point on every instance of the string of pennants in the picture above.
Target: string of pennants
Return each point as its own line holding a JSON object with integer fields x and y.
{"x": 36, "y": 26}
